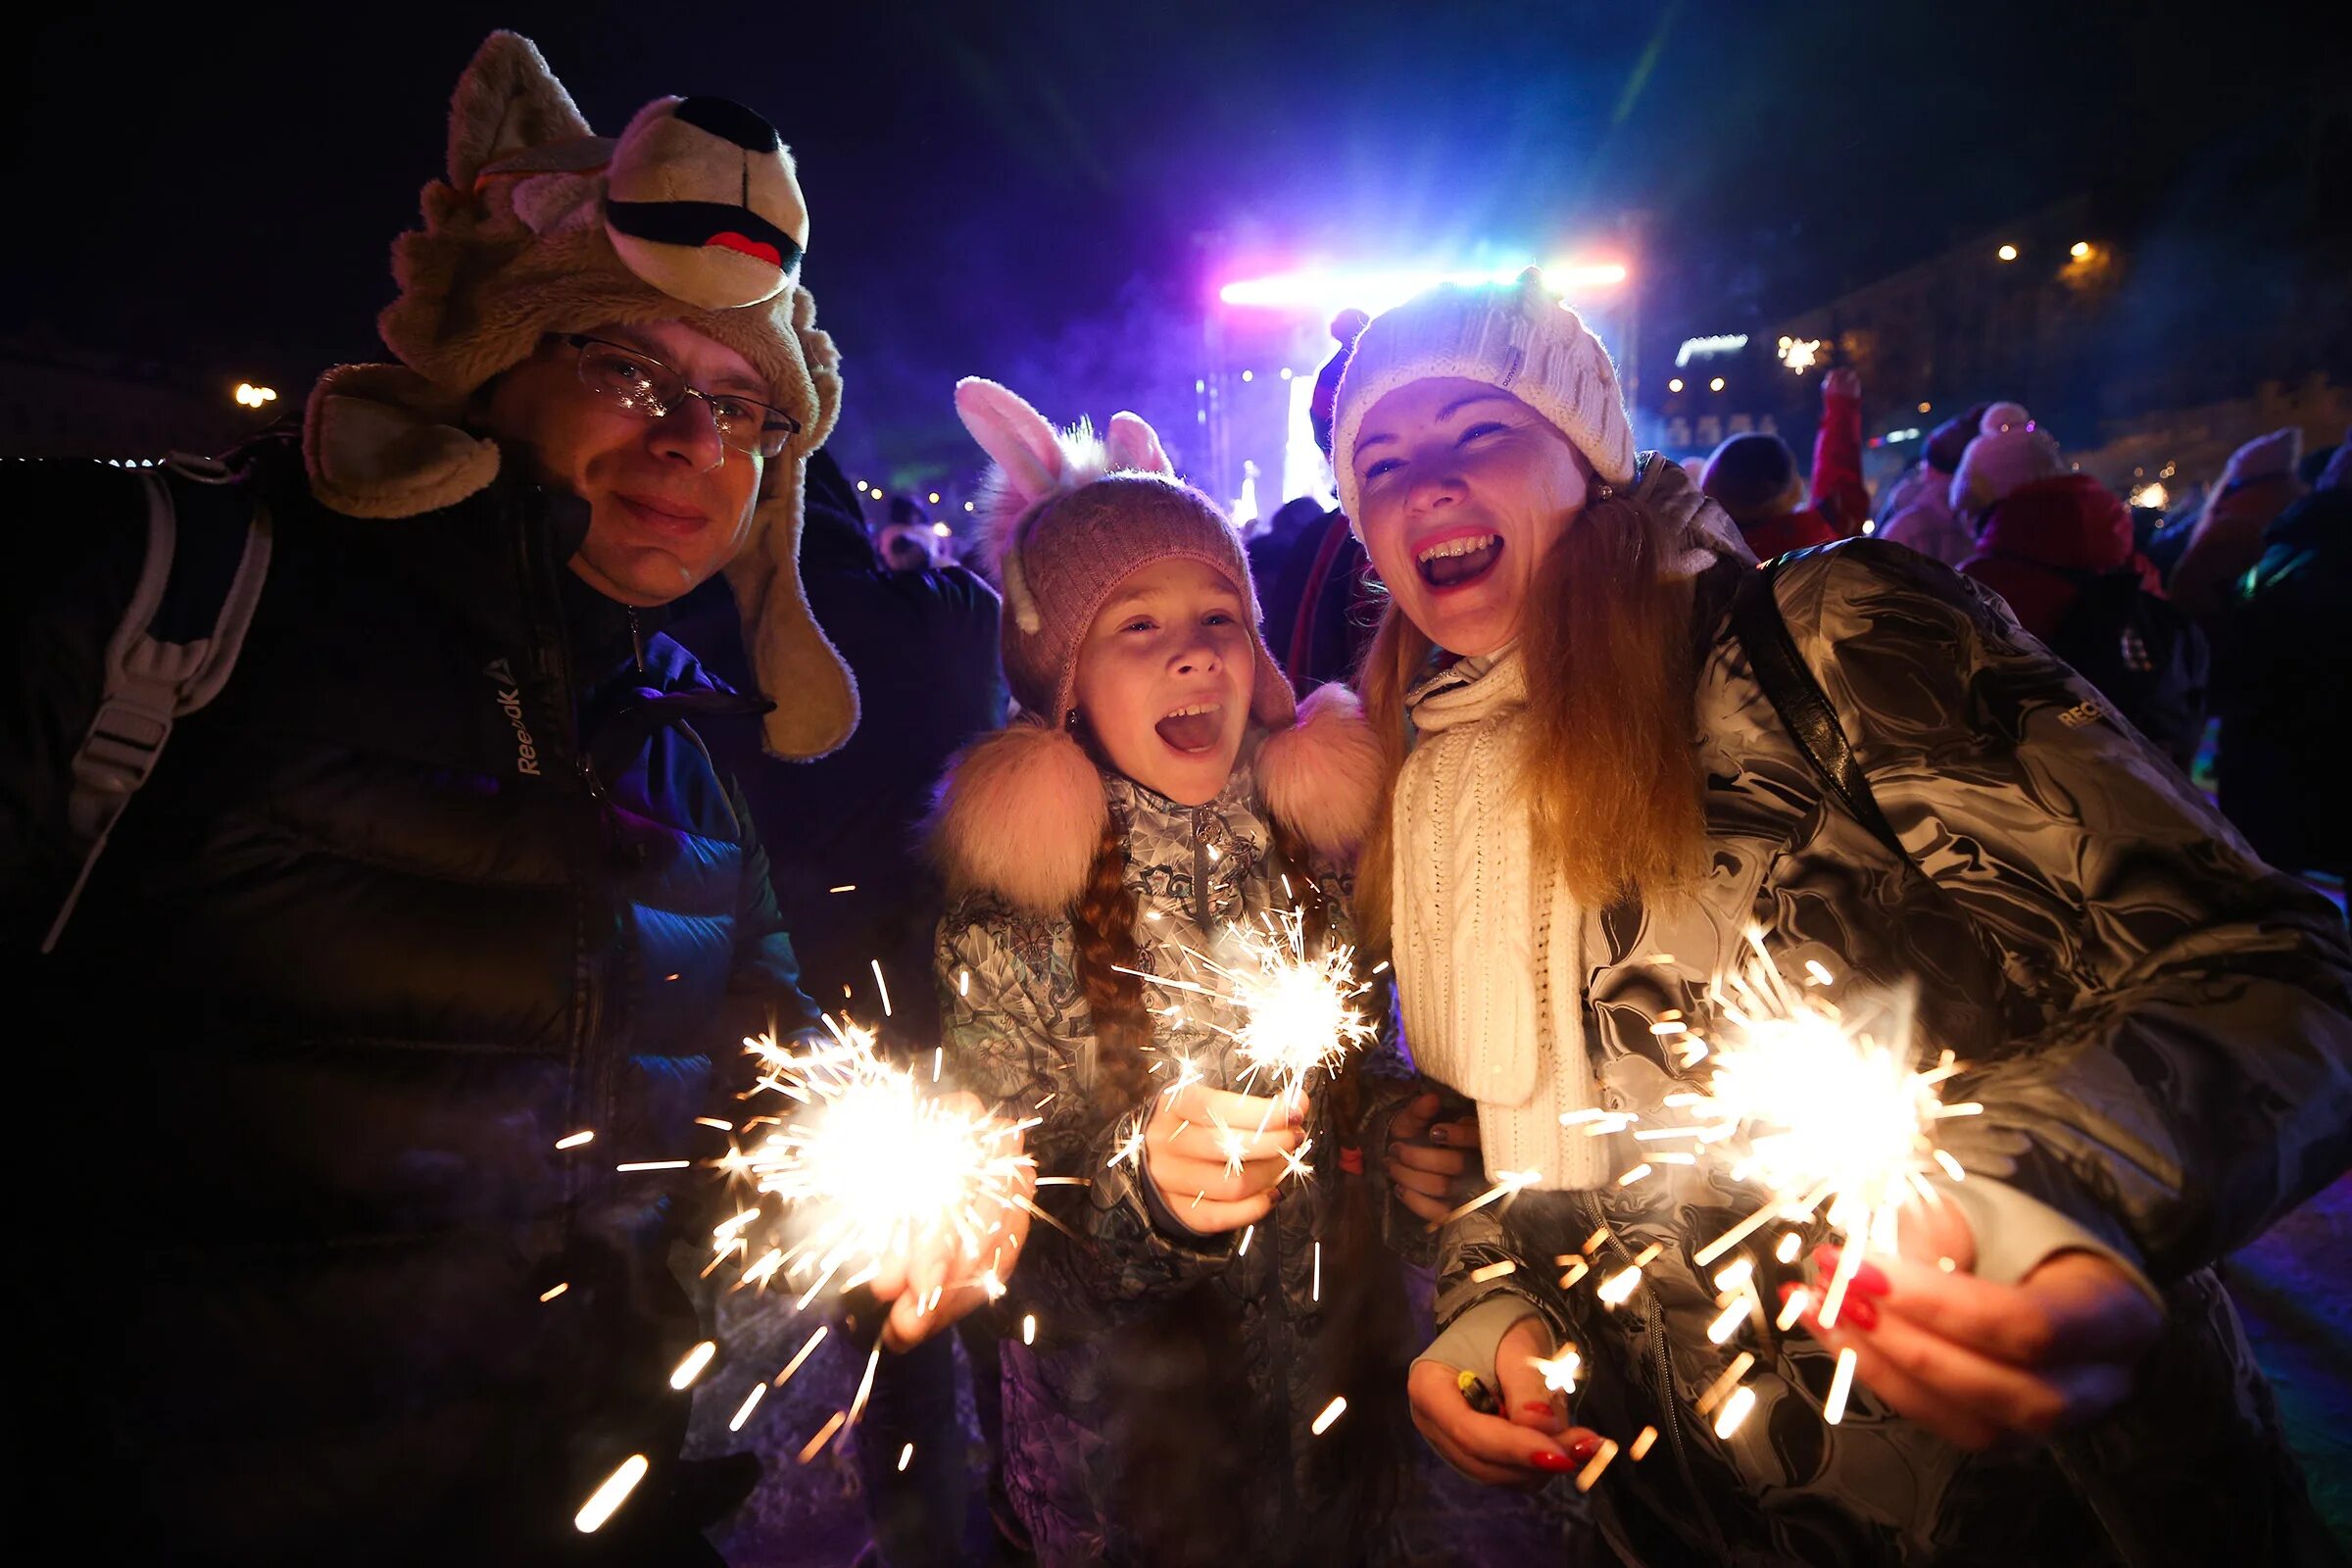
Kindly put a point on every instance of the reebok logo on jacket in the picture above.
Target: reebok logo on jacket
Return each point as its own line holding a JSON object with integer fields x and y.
{"x": 509, "y": 702}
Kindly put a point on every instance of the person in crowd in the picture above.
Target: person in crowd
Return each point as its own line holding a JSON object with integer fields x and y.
{"x": 1860, "y": 758}
{"x": 2039, "y": 527}
{"x": 852, "y": 885}
{"x": 2256, "y": 484}
{"x": 1345, "y": 327}
{"x": 2284, "y": 661}
{"x": 1217, "y": 1278}
{"x": 1753, "y": 477}
{"x": 2059, "y": 548}
{"x": 1918, "y": 508}
{"x": 437, "y": 917}
{"x": 908, "y": 542}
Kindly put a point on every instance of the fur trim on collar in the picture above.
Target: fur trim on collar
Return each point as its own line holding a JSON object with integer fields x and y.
{"x": 1020, "y": 813}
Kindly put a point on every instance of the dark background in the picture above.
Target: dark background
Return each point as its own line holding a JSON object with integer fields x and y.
{"x": 1049, "y": 192}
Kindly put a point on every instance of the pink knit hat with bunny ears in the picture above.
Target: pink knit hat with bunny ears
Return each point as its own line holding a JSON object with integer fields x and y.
{"x": 1067, "y": 516}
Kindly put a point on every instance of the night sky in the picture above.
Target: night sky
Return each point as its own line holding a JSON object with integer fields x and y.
{"x": 1024, "y": 190}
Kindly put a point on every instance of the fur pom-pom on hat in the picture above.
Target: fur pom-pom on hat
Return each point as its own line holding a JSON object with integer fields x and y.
{"x": 1322, "y": 775}
{"x": 1019, "y": 815}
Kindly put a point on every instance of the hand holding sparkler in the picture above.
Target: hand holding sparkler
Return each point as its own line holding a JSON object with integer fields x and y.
{"x": 948, "y": 1270}
{"x": 1979, "y": 1363}
{"x": 1214, "y": 1158}
{"x": 1530, "y": 1440}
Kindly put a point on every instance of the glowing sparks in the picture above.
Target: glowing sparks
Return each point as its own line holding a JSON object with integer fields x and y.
{"x": 1594, "y": 1466}
{"x": 1726, "y": 1382}
{"x": 1300, "y": 1016}
{"x": 1336, "y": 1408}
{"x": 1734, "y": 1410}
{"x": 906, "y": 1457}
{"x": 1792, "y": 1308}
{"x": 881, "y": 984}
{"x": 713, "y": 1121}
{"x": 1641, "y": 1448}
{"x": 1492, "y": 1272}
{"x": 750, "y": 1402}
{"x": 1841, "y": 1384}
{"x": 605, "y": 1501}
{"x": 866, "y": 1162}
{"x": 1636, "y": 1174}
{"x": 1726, "y": 1323}
{"x": 794, "y": 1365}
{"x": 824, "y": 1435}
{"x": 1317, "y": 1293}
{"x": 692, "y": 1366}
{"x": 1823, "y": 1108}
{"x": 653, "y": 1164}
{"x": 1558, "y": 1372}
{"x": 555, "y": 1291}
{"x": 1790, "y": 1244}
{"x": 1508, "y": 1183}
{"x": 1028, "y": 1328}
{"x": 575, "y": 1140}
{"x": 1243, "y": 1250}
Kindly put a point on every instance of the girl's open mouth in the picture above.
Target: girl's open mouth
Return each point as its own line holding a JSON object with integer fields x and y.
{"x": 1457, "y": 561}
{"x": 1193, "y": 728}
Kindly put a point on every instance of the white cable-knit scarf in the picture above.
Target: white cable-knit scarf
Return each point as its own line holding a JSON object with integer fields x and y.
{"x": 1487, "y": 962}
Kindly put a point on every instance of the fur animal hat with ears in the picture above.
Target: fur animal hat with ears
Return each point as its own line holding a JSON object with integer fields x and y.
{"x": 539, "y": 226}
{"x": 1066, "y": 516}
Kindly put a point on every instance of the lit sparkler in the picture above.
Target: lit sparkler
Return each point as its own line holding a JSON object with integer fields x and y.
{"x": 1298, "y": 1009}
{"x": 1821, "y": 1107}
{"x": 866, "y": 1163}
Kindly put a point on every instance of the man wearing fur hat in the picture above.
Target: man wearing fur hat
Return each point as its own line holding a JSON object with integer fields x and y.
{"x": 436, "y": 919}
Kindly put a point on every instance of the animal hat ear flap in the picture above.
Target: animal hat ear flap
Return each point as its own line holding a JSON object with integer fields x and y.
{"x": 1134, "y": 445}
{"x": 1030, "y": 464}
{"x": 505, "y": 102}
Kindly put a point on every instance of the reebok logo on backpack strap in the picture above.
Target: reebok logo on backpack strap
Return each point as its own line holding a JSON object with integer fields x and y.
{"x": 509, "y": 702}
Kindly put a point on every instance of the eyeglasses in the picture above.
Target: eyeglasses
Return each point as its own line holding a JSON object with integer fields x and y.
{"x": 643, "y": 383}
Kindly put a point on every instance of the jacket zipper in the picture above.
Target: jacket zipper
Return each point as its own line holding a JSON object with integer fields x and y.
{"x": 592, "y": 1091}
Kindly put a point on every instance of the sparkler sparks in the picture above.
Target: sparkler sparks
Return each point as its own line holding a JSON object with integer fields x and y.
{"x": 1298, "y": 1009}
{"x": 743, "y": 1412}
{"x": 865, "y": 1163}
{"x": 607, "y": 1499}
{"x": 1824, "y": 1110}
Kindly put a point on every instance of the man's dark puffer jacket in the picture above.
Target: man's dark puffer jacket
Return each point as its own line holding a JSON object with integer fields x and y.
{"x": 442, "y": 877}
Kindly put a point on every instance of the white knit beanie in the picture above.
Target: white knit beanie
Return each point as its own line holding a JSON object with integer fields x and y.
{"x": 2010, "y": 453}
{"x": 1517, "y": 336}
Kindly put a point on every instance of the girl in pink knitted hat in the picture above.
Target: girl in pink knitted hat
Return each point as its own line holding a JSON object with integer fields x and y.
{"x": 1214, "y": 1282}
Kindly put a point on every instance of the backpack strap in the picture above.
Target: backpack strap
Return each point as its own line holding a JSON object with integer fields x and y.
{"x": 173, "y": 651}
{"x": 1804, "y": 708}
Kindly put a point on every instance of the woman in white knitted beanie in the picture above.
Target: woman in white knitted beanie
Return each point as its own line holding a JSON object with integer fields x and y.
{"x": 1596, "y": 798}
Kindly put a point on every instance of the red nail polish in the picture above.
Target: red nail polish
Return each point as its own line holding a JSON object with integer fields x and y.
{"x": 1871, "y": 1280}
{"x": 1858, "y": 1311}
{"x": 1536, "y": 1408}
{"x": 1554, "y": 1461}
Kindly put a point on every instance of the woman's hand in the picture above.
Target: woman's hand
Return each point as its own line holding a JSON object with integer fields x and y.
{"x": 937, "y": 1280}
{"x": 1432, "y": 1164}
{"x": 1530, "y": 1442}
{"x": 1214, "y": 1157}
{"x": 1981, "y": 1364}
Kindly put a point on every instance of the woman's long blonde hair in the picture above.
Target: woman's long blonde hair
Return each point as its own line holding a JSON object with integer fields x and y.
{"x": 1611, "y": 770}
